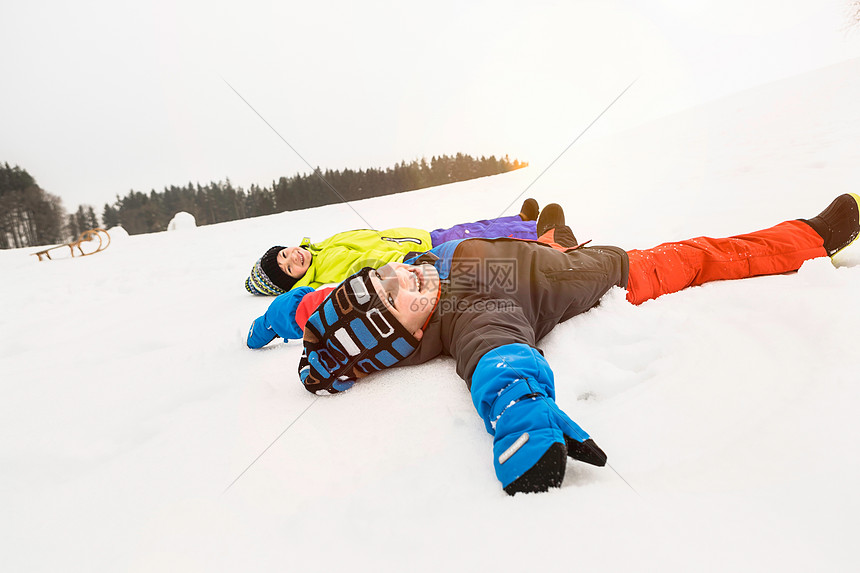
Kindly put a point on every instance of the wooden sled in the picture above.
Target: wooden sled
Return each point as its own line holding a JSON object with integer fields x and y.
{"x": 100, "y": 235}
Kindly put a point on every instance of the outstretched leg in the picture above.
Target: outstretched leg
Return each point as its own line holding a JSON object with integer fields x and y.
{"x": 671, "y": 267}
{"x": 510, "y": 227}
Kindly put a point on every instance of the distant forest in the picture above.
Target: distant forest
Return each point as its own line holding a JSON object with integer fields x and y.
{"x": 28, "y": 214}
{"x": 31, "y": 216}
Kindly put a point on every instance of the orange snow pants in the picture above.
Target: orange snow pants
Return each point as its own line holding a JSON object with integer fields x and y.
{"x": 671, "y": 267}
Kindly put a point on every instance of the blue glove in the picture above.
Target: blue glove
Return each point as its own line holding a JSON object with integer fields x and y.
{"x": 279, "y": 319}
{"x": 513, "y": 390}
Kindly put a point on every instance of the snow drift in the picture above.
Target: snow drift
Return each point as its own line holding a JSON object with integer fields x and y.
{"x": 140, "y": 434}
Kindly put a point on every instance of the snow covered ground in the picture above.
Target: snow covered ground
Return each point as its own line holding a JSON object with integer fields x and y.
{"x": 729, "y": 412}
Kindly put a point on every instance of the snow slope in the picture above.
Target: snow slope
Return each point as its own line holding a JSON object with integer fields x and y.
{"x": 130, "y": 405}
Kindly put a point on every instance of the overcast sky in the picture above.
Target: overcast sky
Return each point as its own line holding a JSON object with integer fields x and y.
{"x": 100, "y": 97}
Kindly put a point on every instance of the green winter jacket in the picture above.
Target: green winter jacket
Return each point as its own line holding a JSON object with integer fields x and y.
{"x": 341, "y": 255}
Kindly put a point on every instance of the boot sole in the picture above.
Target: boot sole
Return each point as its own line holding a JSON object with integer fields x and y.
{"x": 856, "y": 200}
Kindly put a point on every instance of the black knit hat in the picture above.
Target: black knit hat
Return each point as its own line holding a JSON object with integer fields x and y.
{"x": 351, "y": 335}
{"x": 267, "y": 278}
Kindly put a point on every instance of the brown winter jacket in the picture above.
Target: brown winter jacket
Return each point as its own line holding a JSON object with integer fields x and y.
{"x": 505, "y": 291}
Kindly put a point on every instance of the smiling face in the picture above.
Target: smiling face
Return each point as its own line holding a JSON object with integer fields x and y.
{"x": 294, "y": 261}
{"x": 409, "y": 292}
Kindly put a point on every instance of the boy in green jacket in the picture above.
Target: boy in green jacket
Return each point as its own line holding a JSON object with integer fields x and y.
{"x": 281, "y": 269}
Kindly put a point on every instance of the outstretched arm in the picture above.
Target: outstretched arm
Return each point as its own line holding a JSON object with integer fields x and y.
{"x": 280, "y": 319}
{"x": 513, "y": 390}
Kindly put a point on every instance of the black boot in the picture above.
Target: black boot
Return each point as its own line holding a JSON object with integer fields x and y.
{"x": 838, "y": 225}
{"x": 552, "y": 217}
{"x": 530, "y": 209}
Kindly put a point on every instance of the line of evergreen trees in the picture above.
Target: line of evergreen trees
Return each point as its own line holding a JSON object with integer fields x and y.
{"x": 30, "y": 216}
{"x": 217, "y": 202}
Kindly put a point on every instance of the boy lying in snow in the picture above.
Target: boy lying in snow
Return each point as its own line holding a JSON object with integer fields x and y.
{"x": 314, "y": 264}
{"x": 488, "y": 302}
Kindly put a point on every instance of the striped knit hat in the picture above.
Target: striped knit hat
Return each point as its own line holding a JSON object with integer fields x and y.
{"x": 351, "y": 335}
{"x": 267, "y": 278}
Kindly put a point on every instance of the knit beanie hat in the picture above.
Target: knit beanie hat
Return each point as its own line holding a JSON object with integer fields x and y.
{"x": 349, "y": 336}
{"x": 267, "y": 278}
